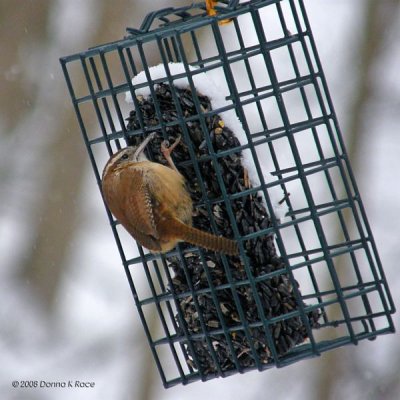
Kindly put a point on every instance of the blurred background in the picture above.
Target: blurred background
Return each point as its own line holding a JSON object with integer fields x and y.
{"x": 66, "y": 310}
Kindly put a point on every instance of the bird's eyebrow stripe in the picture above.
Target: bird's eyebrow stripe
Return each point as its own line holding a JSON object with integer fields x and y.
{"x": 111, "y": 162}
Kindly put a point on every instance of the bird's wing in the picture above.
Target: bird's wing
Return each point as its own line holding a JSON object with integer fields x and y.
{"x": 138, "y": 208}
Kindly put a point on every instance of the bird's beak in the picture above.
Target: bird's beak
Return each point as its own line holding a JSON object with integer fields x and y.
{"x": 143, "y": 145}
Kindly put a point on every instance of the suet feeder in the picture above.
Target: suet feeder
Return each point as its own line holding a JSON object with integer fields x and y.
{"x": 265, "y": 164}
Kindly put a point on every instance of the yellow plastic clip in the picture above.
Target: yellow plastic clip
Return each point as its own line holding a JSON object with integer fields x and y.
{"x": 210, "y": 7}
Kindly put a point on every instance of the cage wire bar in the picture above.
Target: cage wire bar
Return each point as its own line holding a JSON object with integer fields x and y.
{"x": 274, "y": 81}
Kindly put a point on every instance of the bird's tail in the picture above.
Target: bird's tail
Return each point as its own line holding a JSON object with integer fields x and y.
{"x": 207, "y": 240}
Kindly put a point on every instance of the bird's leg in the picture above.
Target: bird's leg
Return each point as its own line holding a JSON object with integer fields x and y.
{"x": 166, "y": 150}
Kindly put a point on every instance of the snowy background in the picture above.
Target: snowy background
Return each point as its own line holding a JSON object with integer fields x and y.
{"x": 66, "y": 311}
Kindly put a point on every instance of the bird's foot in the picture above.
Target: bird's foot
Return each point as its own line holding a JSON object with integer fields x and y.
{"x": 167, "y": 150}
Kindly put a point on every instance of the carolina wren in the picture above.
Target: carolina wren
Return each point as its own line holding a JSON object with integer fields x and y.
{"x": 151, "y": 201}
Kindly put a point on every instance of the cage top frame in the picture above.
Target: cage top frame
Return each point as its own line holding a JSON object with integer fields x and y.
{"x": 183, "y": 13}
{"x": 172, "y": 20}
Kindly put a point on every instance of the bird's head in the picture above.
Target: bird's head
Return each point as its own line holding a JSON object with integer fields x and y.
{"x": 127, "y": 155}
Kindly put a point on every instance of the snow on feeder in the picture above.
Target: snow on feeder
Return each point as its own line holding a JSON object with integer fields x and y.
{"x": 241, "y": 92}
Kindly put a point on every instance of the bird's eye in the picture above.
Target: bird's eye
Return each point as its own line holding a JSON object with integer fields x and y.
{"x": 125, "y": 156}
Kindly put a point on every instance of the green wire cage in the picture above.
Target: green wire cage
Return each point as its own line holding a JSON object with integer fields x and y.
{"x": 265, "y": 164}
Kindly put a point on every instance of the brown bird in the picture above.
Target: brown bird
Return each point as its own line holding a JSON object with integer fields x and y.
{"x": 151, "y": 201}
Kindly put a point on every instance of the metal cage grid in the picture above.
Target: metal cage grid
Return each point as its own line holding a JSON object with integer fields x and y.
{"x": 339, "y": 275}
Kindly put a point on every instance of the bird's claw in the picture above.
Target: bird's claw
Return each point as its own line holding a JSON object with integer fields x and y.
{"x": 166, "y": 150}
{"x": 164, "y": 145}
